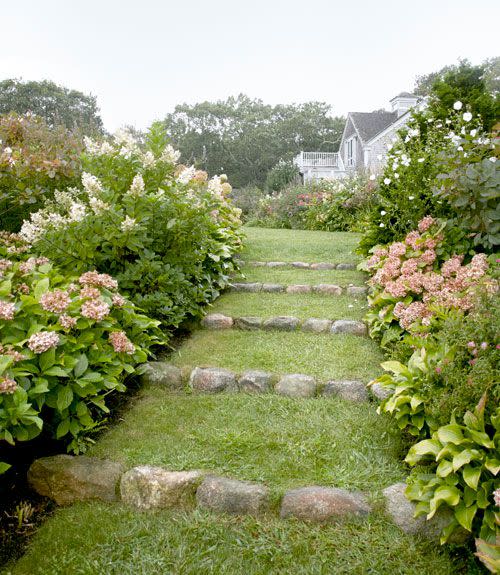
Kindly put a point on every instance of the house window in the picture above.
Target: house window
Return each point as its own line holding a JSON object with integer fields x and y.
{"x": 351, "y": 151}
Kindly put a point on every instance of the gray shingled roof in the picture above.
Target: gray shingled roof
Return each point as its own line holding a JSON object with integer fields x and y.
{"x": 404, "y": 95}
{"x": 369, "y": 124}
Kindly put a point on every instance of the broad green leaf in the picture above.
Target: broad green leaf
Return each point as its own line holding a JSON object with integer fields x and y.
{"x": 47, "y": 359}
{"x": 451, "y": 433}
{"x": 465, "y": 515}
{"x": 62, "y": 428}
{"x": 480, "y": 438}
{"x": 422, "y": 448}
{"x": 41, "y": 287}
{"x": 64, "y": 397}
{"x": 471, "y": 476}
{"x": 445, "y": 493}
{"x": 3, "y": 467}
{"x": 492, "y": 464}
{"x": 57, "y": 370}
{"x": 81, "y": 365}
{"x": 444, "y": 468}
{"x": 465, "y": 456}
{"x": 396, "y": 367}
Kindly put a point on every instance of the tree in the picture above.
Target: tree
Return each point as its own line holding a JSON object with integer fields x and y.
{"x": 245, "y": 138}
{"x": 56, "y": 104}
{"x": 475, "y": 86}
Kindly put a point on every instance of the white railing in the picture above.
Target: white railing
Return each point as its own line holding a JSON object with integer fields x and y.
{"x": 319, "y": 159}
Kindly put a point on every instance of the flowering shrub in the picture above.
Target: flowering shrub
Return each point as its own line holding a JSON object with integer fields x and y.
{"x": 64, "y": 347}
{"x": 163, "y": 230}
{"x": 35, "y": 160}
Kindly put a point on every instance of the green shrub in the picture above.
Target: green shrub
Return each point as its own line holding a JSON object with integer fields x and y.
{"x": 281, "y": 175}
{"x": 66, "y": 345}
{"x": 248, "y": 200}
{"x": 166, "y": 233}
{"x": 35, "y": 160}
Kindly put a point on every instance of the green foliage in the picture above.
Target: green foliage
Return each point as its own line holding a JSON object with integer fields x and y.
{"x": 162, "y": 230}
{"x": 463, "y": 474}
{"x": 246, "y": 138}
{"x": 65, "y": 347}
{"x": 281, "y": 175}
{"x": 489, "y": 555}
{"x": 247, "y": 199}
{"x": 56, "y": 104}
{"x": 35, "y": 160}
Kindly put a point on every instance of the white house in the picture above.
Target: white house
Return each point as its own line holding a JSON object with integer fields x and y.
{"x": 364, "y": 142}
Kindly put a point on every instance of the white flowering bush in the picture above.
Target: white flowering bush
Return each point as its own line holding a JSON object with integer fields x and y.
{"x": 166, "y": 232}
{"x": 65, "y": 345}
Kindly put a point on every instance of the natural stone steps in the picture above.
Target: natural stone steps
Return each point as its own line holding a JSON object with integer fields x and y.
{"x": 216, "y": 380}
{"x": 321, "y": 289}
{"x": 218, "y": 321}
{"x": 301, "y": 265}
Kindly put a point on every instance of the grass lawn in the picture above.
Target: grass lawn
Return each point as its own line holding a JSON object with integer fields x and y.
{"x": 297, "y": 245}
{"x": 321, "y": 355}
{"x": 301, "y": 305}
{"x": 283, "y": 442}
{"x": 288, "y": 276}
{"x": 95, "y": 538}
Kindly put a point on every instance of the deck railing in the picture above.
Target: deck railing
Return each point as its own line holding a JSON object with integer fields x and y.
{"x": 319, "y": 159}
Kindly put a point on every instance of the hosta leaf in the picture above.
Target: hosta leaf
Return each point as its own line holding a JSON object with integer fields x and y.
{"x": 471, "y": 476}
{"x": 451, "y": 433}
{"x": 481, "y": 438}
{"x": 397, "y": 368}
{"x": 445, "y": 493}
{"x": 492, "y": 465}
{"x": 465, "y": 515}
{"x": 421, "y": 449}
{"x": 444, "y": 468}
{"x": 465, "y": 456}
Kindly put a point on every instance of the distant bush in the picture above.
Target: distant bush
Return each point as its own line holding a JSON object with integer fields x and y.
{"x": 281, "y": 175}
{"x": 248, "y": 200}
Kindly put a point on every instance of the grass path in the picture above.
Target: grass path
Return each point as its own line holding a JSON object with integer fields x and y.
{"x": 283, "y": 442}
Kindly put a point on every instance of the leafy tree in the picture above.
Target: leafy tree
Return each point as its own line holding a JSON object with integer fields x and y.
{"x": 475, "y": 86}
{"x": 246, "y": 138}
{"x": 56, "y": 104}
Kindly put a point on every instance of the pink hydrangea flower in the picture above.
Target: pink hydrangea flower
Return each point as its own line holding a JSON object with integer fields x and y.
{"x": 121, "y": 343}
{"x": 67, "y": 321}
{"x": 90, "y": 292}
{"x": 496, "y": 497}
{"x": 412, "y": 240}
{"x": 397, "y": 249}
{"x": 7, "y": 310}
{"x": 118, "y": 300}
{"x": 43, "y": 341}
{"x": 425, "y": 223}
{"x": 55, "y": 301}
{"x": 98, "y": 280}
{"x": 95, "y": 309}
{"x": 7, "y": 385}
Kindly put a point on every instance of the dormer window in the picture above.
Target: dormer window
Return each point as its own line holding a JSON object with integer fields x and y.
{"x": 351, "y": 152}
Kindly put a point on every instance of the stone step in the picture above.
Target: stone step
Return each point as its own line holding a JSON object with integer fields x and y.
{"x": 322, "y": 289}
{"x": 302, "y": 265}
{"x": 218, "y": 321}
{"x": 216, "y": 380}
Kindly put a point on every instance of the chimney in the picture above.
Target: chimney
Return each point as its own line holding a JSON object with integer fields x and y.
{"x": 403, "y": 102}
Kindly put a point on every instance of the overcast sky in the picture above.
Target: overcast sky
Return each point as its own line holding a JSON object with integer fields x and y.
{"x": 142, "y": 57}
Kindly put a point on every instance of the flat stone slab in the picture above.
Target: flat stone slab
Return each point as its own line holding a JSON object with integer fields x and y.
{"x": 302, "y": 288}
{"x": 247, "y": 287}
{"x": 380, "y": 392}
{"x": 273, "y": 288}
{"x": 255, "y": 381}
{"x": 402, "y": 512}
{"x": 323, "y": 504}
{"x": 327, "y": 289}
{"x": 66, "y": 478}
{"x": 316, "y": 325}
{"x": 322, "y": 266}
{"x": 233, "y": 497}
{"x": 349, "y": 326}
{"x": 282, "y": 323}
{"x": 212, "y": 379}
{"x": 301, "y": 265}
{"x": 357, "y": 290}
{"x": 257, "y": 264}
{"x": 346, "y": 266}
{"x": 350, "y": 390}
{"x": 146, "y": 487}
{"x": 296, "y": 385}
{"x": 162, "y": 373}
{"x": 248, "y": 322}
{"x": 217, "y": 321}
{"x": 277, "y": 264}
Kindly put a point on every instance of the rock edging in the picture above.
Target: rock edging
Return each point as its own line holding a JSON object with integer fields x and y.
{"x": 323, "y": 289}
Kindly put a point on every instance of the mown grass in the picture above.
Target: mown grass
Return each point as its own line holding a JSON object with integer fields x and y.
{"x": 289, "y": 276}
{"x": 298, "y": 245}
{"x": 301, "y": 305}
{"x": 320, "y": 355}
{"x": 96, "y": 538}
{"x": 283, "y": 442}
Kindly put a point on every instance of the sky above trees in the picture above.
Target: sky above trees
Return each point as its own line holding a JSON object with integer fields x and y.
{"x": 142, "y": 58}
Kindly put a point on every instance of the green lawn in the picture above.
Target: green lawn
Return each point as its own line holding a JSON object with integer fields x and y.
{"x": 297, "y": 245}
{"x": 301, "y": 305}
{"x": 100, "y": 539}
{"x": 289, "y": 276}
{"x": 321, "y": 355}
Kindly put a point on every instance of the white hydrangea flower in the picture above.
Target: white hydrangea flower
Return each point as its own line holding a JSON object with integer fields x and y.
{"x": 387, "y": 181}
{"x": 137, "y": 186}
{"x": 457, "y": 105}
{"x": 413, "y": 132}
{"x": 77, "y": 212}
{"x": 95, "y": 149}
{"x": 382, "y": 225}
{"x": 473, "y": 133}
{"x": 170, "y": 155}
{"x": 383, "y": 213}
{"x": 186, "y": 175}
{"x": 97, "y": 205}
{"x": 148, "y": 160}
{"x": 128, "y": 224}
{"x": 467, "y": 117}
{"x": 215, "y": 186}
{"x": 91, "y": 184}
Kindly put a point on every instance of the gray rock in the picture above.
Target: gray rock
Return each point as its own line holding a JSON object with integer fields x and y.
{"x": 327, "y": 289}
{"x": 231, "y": 496}
{"x": 301, "y": 265}
{"x": 247, "y": 287}
{"x": 147, "y": 487}
{"x": 273, "y": 288}
{"x": 66, "y": 479}
{"x": 254, "y": 380}
{"x": 212, "y": 379}
{"x": 322, "y": 504}
{"x": 380, "y": 392}
{"x": 346, "y": 266}
{"x": 299, "y": 289}
{"x": 315, "y": 325}
{"x": 217, "y": 321}
{"x": 402, "y": 513}
{"x": 257, "y": 264}
{"x": 323, "y": 266}
{"x": 282, "y": 323}
{"x": 349, "y": 326}
{"x": 248, "y": 322}
{"x": 349, "y": 390}
{"x": 276, "y": 264}
{"x": 161, "y": 373}
{"x": 357, "y": 290}
{"x": 296, "y": 385}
